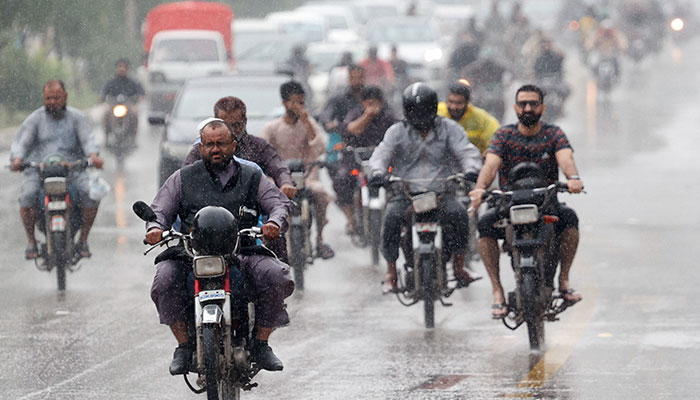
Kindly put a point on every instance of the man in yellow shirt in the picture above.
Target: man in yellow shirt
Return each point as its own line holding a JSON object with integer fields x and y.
{"x": 478, "y": 124}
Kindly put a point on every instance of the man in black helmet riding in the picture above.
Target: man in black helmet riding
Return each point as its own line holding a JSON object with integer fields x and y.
{"x": 427, "y": 147}
{"x": 219, "y": 180}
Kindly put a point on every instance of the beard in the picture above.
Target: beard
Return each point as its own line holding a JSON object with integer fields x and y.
{"x": 217, "y": 166}
{"x": 529, "y": 118}
{"x": 456, "y": 114}
{"x": 56, "y": 112}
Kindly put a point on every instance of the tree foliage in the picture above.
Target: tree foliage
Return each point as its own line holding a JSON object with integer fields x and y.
{"x": 89, "y": 35}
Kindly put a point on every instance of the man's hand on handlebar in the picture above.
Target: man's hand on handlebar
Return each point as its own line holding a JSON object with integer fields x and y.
{"x": 288, "y": 190}
{"x": 475, "y": 196}
{"x": 575, "y": 185}
{"x": 270, "y": 230}
{"x": 16, "y": 164}
{"x": 96, "y": 160}
{"x": 154, "y": 235}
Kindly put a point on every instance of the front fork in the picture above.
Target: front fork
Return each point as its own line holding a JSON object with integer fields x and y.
{"x": 215, "y": 313}
{"x": 427, "y": 243}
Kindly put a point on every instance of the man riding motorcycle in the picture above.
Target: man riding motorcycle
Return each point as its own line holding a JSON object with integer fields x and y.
{"x": 297, "y": 135}
{"x": 218, "y": 180}
{"x": 364, "y": 127}
{"x": 252, "y": 148}
{"x": 478, "y": 124}
{"x": 55, "y": 129}
{"x": 544, "y": 144}
{"x": 424, "y": 146}
{"x": 338, "y": 107}
{"x": 121, "y": 84}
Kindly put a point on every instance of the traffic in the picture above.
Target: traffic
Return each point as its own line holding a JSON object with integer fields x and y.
{"x": 295, "y": 175}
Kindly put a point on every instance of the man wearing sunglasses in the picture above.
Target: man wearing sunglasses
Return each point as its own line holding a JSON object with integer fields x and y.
{"x": 530, "y": 140}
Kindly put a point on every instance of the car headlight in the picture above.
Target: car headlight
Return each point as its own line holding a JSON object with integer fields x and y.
{"x": 119, "y": 110}
{"x": 209, "y": 266}
{"x": 433, "y": 54}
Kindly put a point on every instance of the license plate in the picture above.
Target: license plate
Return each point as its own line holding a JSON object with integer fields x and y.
{"x": 58, "y": 223}
{"x": 56, "y": 205}
{"x": 209, "y": 295}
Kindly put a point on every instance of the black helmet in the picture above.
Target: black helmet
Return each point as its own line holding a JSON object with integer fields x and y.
{"x": 420, "y": 106}
{"x": 526, "y": 175}
{"x": 214, "y": 231}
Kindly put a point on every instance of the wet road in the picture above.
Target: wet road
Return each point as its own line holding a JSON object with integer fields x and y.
{"x": 635, "y": 335}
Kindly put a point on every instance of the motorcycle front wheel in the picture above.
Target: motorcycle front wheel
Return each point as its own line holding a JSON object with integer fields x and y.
{"x": 533, "y": 312}
{"x": 210, "y": 343}
{"x": 297, "y": 254}
{"x": 59, "y": 258}
{"x": 427, "y": 271}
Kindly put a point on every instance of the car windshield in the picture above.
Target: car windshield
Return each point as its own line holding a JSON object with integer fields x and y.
{"x": 186, "y": 50}
{"x": 401, "y": 33}
{"x": 244, "y": 41}
{"x": 302, "y": 31}
{"x": 261, "y": 99}
{"x": 272, "y": 50}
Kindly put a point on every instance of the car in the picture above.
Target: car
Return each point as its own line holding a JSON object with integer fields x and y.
{"x": 248, "y": 33}
{"x": 342, "y": 27}
{"x": 195, "y": 102}
{"x": 418, "y": 43}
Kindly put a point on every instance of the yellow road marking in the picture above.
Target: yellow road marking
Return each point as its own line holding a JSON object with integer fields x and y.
{"x": 576, "y": 320}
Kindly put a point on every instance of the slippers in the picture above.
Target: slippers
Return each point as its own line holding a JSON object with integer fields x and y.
{"x": 324, "y": 251}
{"x": 82, "y": 249}
{"x": 389, "y": 285}
{"x": 31, "y": 252}
{"x": 570, "y": 296}
{"x": 502, "y": 308}
{"x": 463, "y": 282}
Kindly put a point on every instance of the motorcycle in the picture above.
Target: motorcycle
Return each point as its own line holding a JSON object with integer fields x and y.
{"x": 299, "y": 246}
{"x": 607, "y": 74}
{"x": 532, "y": 245}
{"x": 557, "y": 91}
{"x": 369, "y": 204}
{"x": 59, "y": 218}
{"x": 424, "y": 276}
{"x": 223, "y": 318}
{"x": 121, "y": 124}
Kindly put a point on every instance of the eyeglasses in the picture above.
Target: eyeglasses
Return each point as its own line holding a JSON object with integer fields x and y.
{"x": 211, "y": 145}
{"x": 532, "y": 103}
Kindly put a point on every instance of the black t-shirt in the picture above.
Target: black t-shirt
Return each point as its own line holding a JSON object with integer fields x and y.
{"x": 513, "y": 147}
{"x": 122, "y": 85}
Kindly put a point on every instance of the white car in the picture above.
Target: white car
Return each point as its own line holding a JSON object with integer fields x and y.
{"x": 342, "y": 27}
{"x": 301, "y": 27}
{"x": 418, "y": 43}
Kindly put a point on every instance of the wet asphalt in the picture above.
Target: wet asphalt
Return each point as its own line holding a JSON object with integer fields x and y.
{"x": 635, "y": 335}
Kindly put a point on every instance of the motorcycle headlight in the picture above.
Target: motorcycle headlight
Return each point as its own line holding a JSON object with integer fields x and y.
{"x": 209, "y": 266}
{"x": 433, "y": 54}
{"x": 524, "y": 214}
{"x": 119, "y": 110}
{"x": 677, "y": 24}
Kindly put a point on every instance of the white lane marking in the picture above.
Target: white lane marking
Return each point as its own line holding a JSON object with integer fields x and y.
{"x": 87, "y": 371}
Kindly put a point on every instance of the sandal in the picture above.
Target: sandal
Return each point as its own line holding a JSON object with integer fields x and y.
{"x": 570, "y": 296}
{"x": 389, "y": 285}
{"x": 31, "y": 252}
{"x": 82, "y": 249}
{"x": 324, "y": 251}
{"x": 499, "y": 307}
{"x": 464, "y": 281}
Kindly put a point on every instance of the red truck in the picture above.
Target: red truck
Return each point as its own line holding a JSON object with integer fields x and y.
{"x": 185, "y": 40}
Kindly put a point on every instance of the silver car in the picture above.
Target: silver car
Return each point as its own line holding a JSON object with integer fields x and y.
{"x": 195, "y": 102}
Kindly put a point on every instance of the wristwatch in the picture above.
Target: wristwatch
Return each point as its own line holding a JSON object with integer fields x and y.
{"x": 574, "y": 178}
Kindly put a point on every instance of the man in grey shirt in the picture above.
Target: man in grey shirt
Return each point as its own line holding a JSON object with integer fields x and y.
{"x": 427, "y": 148}
{"x": 55, "y": 129}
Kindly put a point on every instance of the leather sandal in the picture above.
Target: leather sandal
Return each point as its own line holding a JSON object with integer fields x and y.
{"x": 570, "y": 296}
{"x": 31, "y": 252}
{"x": 499, "y": 307}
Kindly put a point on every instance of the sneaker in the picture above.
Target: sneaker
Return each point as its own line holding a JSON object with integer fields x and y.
{"x": 181, "y": 359}
{"x": 263, "y": 356}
